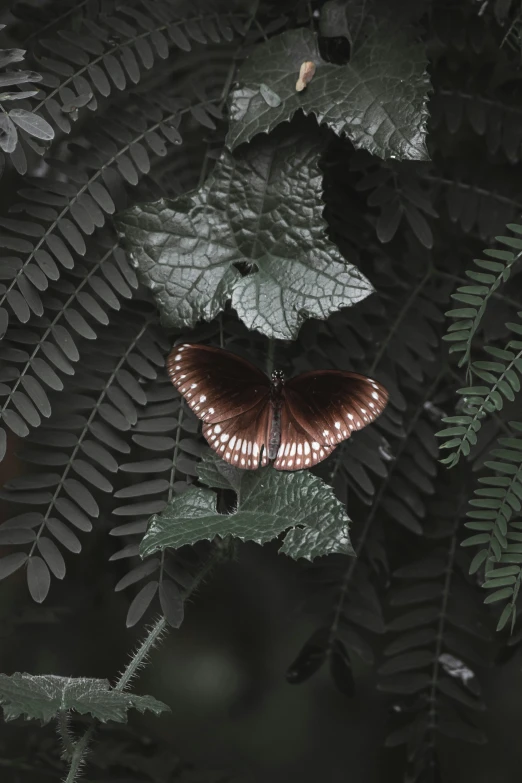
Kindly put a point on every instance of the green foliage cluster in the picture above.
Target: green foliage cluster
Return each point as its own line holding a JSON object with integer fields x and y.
{"x": 164, "y": 179}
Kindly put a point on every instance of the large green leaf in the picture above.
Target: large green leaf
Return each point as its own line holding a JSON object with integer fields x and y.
{"x": 44, "y": 696}
{"x": 216, "y": 473}
{"x": 261, "y": 209}
{"x": 378, "y": 99}
{"x": 269, "y": 502}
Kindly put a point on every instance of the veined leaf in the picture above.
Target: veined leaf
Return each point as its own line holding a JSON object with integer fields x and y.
{"x": 269, "y": 503}
{"x": 187, "y": 249}
{"x": 44, "y": 696}
{"x": 378, "y": 99}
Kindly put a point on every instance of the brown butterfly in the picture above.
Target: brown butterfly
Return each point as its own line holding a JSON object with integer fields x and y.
{"x": 250, "y": 419}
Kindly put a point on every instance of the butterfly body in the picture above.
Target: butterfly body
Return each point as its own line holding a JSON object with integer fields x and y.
{"x": 276, "y": 402}
{"x": 250, "y": 419}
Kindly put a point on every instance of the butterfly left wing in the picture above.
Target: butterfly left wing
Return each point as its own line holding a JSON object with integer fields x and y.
{"x": 230, "y": 395}
{"x": 321, "y": 409}
{"x": 216, "y": 383}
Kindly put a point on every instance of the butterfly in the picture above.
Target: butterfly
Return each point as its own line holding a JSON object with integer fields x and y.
{"x": 250, "y": 419}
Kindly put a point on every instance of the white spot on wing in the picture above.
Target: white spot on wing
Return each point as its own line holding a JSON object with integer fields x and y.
{"x": 203, "y": 398}
{"x": 217, "y": 428}
{"x": 337, "y": 425}
{"x": 292, "y": 450}
{"x": 315, "y": 446}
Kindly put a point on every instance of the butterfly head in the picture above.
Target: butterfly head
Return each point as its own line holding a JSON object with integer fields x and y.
{"x": 278, "y": 379}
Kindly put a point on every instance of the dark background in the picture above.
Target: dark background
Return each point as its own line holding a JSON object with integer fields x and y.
{"x": 223, "y": 674}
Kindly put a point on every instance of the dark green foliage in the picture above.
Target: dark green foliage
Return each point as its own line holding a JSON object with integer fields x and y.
{"x": 46, "y": 696}
{"x": 163, "y": 179}
{"x": 268, "y": 502}
{"x": 299, "y": 274}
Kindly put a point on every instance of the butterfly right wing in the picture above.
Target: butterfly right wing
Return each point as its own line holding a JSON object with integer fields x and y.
{"x": 322, "y": 408}
{"x": 332, "y": 404}
{"x": 242, "y": 440}
{"x": 298, "y": 449}
{"x": 216, "y": 384}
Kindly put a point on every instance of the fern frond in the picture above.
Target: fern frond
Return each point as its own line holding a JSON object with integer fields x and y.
{"x": 163, "y": 463}
{"x": 85, "y": 444}
{"x": 19, "y": 121}
{"x": 502, "y": 375}
{"x": 55, "y": 350}
{"x": 484, "y": 281}
{"x": 87, "y": 61}
{"x": 430, "y": 660}
{"x": 496, "y": 532}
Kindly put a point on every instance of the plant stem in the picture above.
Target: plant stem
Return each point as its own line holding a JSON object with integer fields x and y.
{"x": 63, "y": 730}
{"x": 78, "y": 755}
{"x": 219, "y": 553}
{"x": 141, "y": 653}
{"x": 270, "y": 356}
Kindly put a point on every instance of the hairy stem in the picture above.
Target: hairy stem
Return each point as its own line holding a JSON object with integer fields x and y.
{"x": 141, "y": 653}
{"x": 78, "y": 756}
{"x": 65, "y": 735}
{"x": 220, "y": 552}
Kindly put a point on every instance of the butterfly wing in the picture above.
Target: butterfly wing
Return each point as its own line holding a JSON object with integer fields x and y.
{"x": 230, "y": 396}
{"x": 298, "y": 448}
{"x": 242, "y": 439}
{"x": 321, "y": 409}
{"x": 217, "y": 384}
